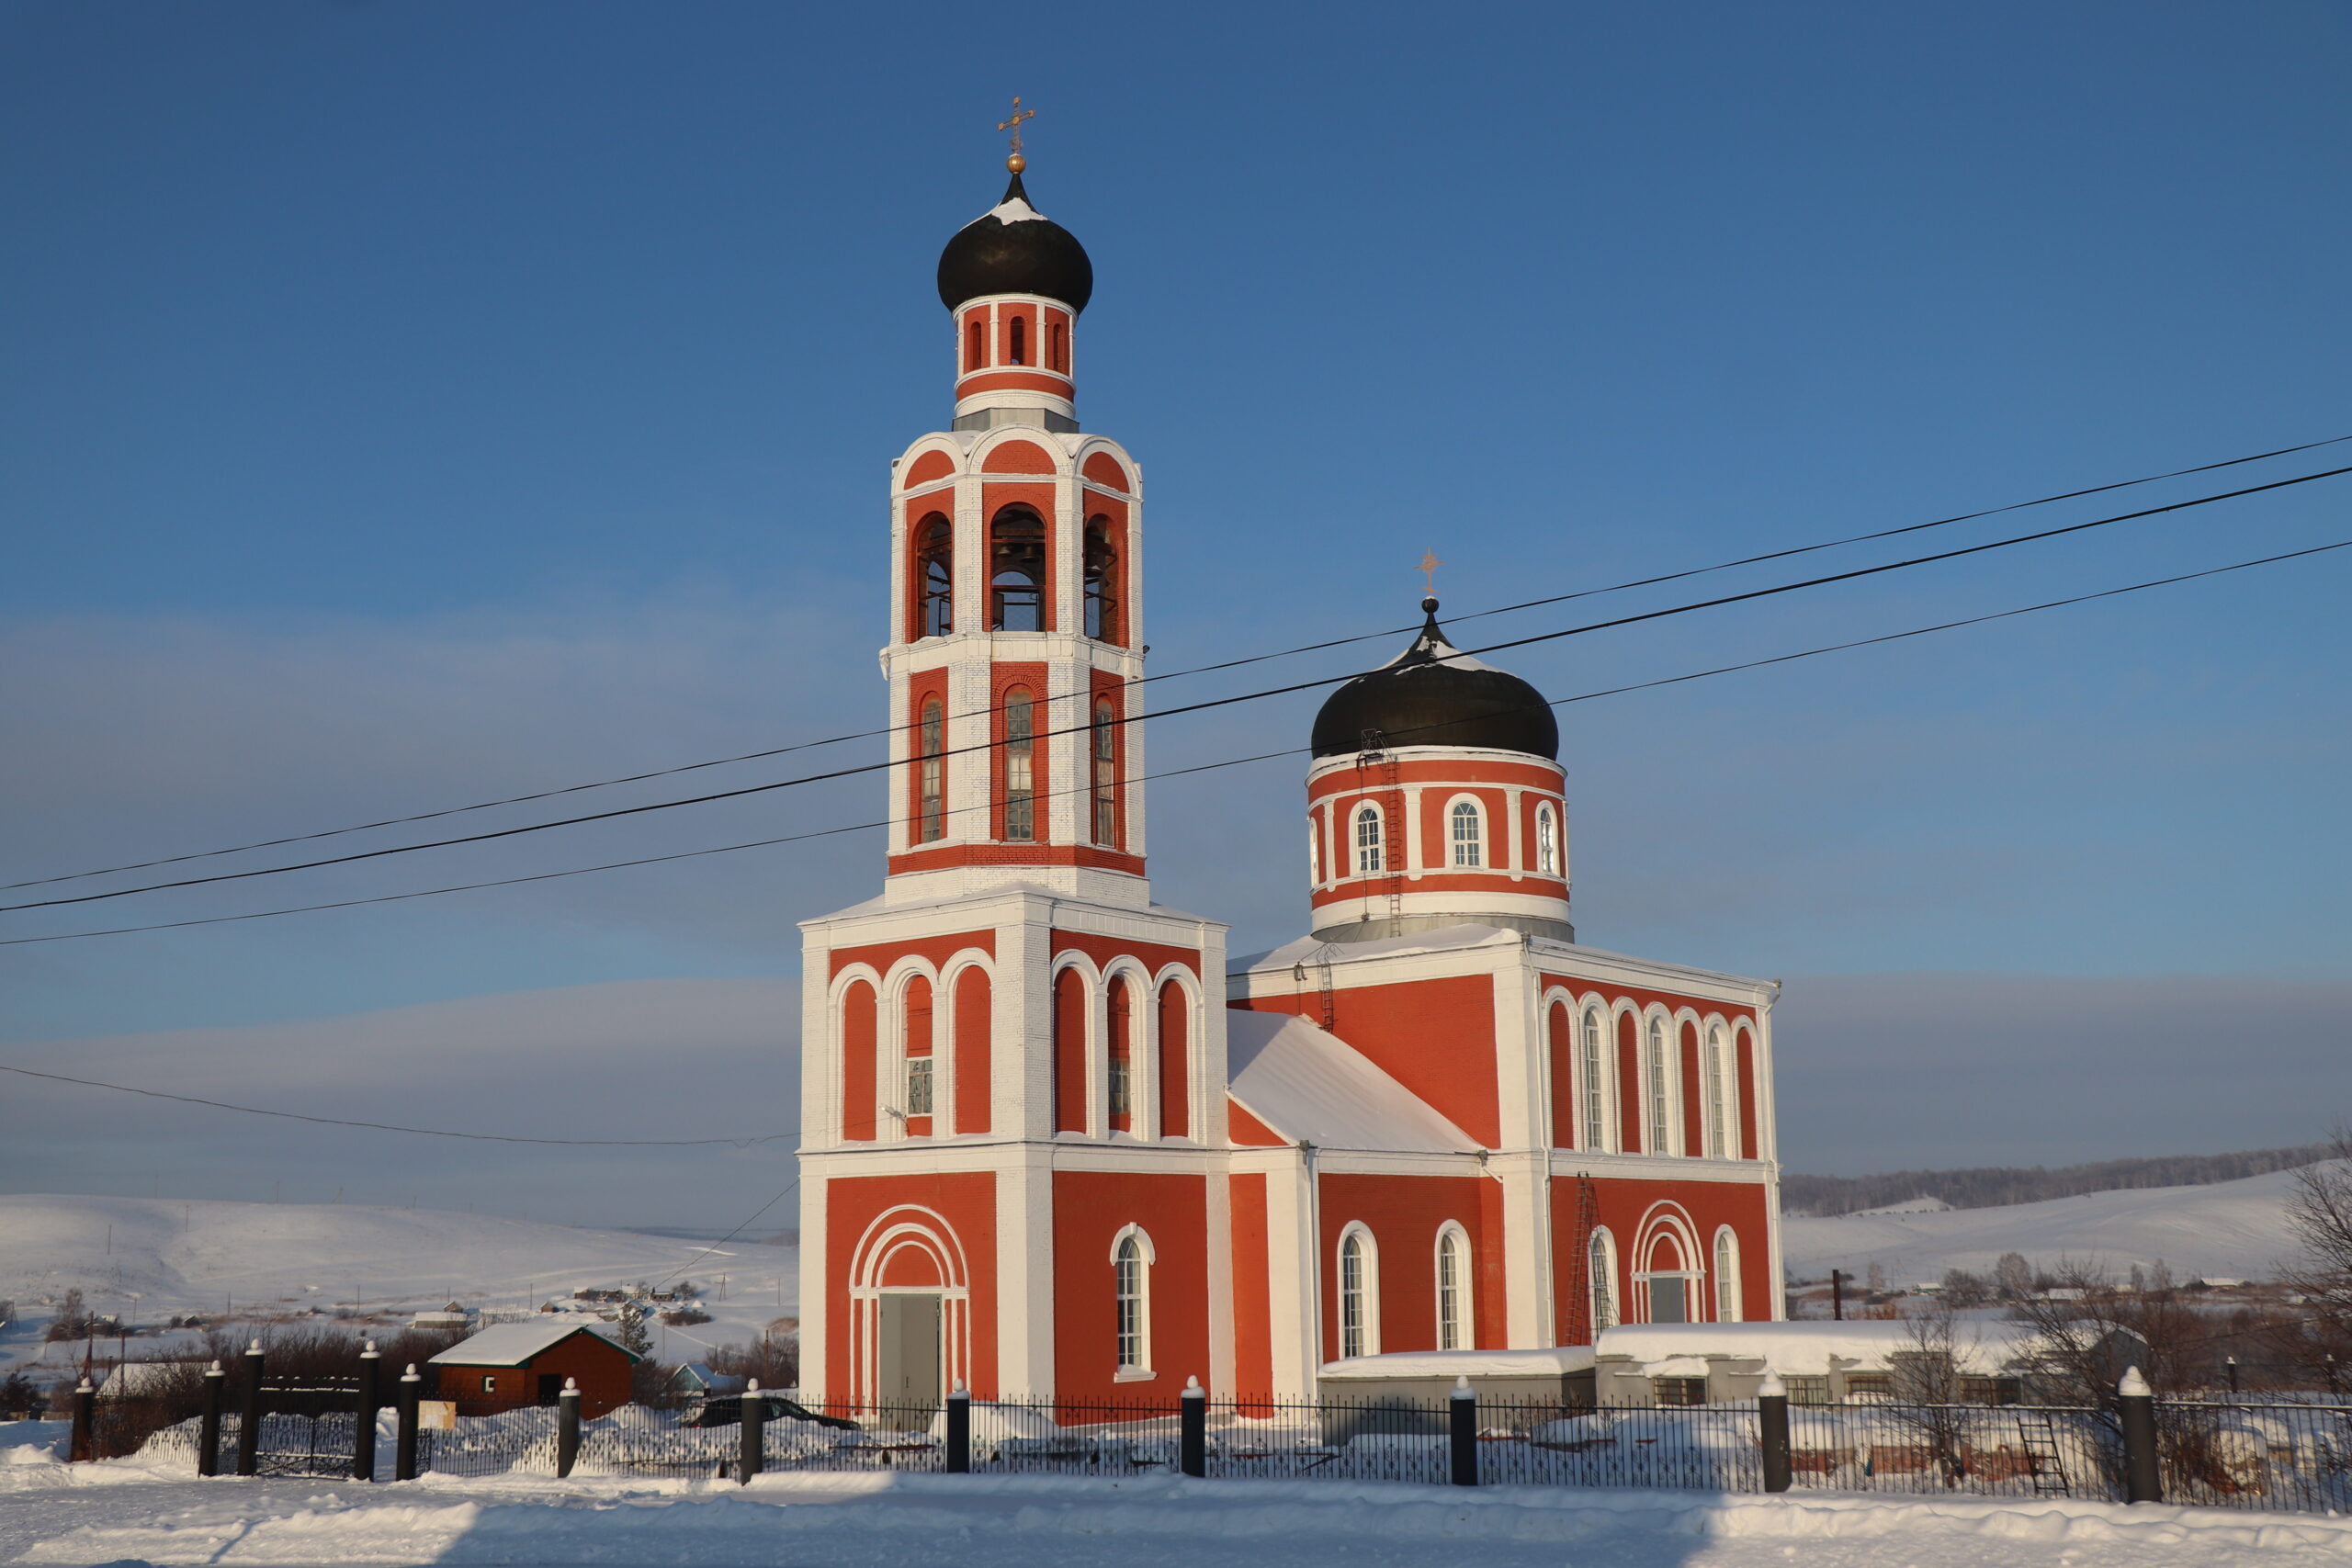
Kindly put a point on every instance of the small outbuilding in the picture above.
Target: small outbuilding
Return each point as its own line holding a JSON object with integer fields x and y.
{"x": 510, "y": 1366}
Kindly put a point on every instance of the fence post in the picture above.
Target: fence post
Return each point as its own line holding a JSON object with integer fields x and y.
{"x": 1462, "y": 1408}
{"x": 755, "y": 1412}
{"x": 959, "y": 1429}
{"x": 2136, "y": 1401}
{"x": 1773, "y": 1418}
{"x": 363, "y": 1436}
{"x": 208, "y": 1433}
{"x": 2231, "y": 1363}
{"x": 1192, "y": 1431}
{"x": 404, "y": 1441}
{"x": 84, "y": 1444}
{"x": 249, "y": 1422}
{"x": 567, "y": 1427}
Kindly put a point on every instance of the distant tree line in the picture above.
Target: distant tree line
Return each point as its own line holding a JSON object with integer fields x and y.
{"x": 1993, "y": 1186}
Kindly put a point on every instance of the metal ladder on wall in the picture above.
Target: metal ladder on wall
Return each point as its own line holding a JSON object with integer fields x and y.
{"x": 2038, "y": 1439}
{"x": 1392, "y": 804}
{"x": 1582, "y": 1330}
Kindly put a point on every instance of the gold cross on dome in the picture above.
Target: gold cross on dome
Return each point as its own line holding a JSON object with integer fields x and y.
{"x": 1429, "y": 563}
{"x": 1014, "y": 125}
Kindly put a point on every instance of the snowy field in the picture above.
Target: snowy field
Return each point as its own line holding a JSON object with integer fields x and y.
{"x": 116, "y": 1514}
{"x": 2236, "y": 1229}
{"x": 148, "y": 1259}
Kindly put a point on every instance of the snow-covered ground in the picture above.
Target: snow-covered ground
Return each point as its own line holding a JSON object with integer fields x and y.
{"x": 120, "y": 1513}
{"x": 148, "y": 1259}
{"x": 2236, "y": 1229}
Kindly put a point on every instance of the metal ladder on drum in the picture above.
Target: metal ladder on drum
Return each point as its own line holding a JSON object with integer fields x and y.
{"x": 2038, "y": 1439}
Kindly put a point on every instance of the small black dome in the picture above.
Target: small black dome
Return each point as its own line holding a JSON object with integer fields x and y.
{"x": 1432, "y": 694}
{"x": 1014, "y": 249}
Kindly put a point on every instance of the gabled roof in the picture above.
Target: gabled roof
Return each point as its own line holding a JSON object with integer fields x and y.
{"x": 512, "y": 1344}
{"x": 1307, "y": 1083}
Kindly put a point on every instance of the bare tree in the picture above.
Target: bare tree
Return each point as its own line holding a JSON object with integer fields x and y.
{"x": 2013, "y": 1276}
{"x": 1927, "y": 1389}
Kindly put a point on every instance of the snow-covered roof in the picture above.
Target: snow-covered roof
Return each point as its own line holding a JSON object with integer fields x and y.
{"x": 1305, "y": 1082}
{"x": 1309, "y": 950}
{"x": 1807, "y": 1348}
{"x": 512, "y": 1344}
{"x": 1556, "y": 1360}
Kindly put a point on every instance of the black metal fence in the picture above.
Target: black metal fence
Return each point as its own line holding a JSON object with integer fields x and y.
{"x": 2227, "y": 1453}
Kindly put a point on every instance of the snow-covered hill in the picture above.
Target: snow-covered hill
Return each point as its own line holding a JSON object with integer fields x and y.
{"x": 2233, "y": 1228}
{"x": 148, "y": 1259}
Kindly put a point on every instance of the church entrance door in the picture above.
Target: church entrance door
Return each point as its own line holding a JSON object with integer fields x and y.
{"x": 908, "y": 1388}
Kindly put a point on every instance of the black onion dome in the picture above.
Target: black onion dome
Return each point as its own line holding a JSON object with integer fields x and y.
{"x": 1432, "y": 694}
{"x": 1014, "y": 249}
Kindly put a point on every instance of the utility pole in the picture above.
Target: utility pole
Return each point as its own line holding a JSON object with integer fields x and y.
{"x": 1837, "y": 1294}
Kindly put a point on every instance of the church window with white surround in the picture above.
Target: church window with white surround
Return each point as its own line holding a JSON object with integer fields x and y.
{"x": 1726, "y": 1276}
{"x": 917, "y": 1085}
{"x": 1452, "y": 1288}
{"x": 1468, "y": 833}
{"x": 1131, "y": 1279}
{"x": 1019, "y": 765}
{"x": 1359, "y": 1294}
{"x": 1661, "y": 1138}
{"x": 1600, "y": 1270}
{"x": 1548, "y": 840}
{"x": 1315, "y": 851}
{"x": 1718, "y": 1099}
{"x": 1595, "y": 1103}
{"x": 1370, "y": 855}
{"x": 932, "y": 742}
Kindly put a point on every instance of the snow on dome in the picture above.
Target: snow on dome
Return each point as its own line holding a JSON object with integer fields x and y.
{"x": 1015, "y": 210}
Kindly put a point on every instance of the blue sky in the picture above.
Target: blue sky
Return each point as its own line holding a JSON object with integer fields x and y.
{"x": 416, "y": 403}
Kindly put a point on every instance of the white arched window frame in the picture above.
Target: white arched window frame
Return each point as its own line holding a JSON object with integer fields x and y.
{"x": 1370, "y": 841}
{"x": 1548, "y": 840}
{"x": 1315, "y": 849}
{"x": 1359, "y": 1277}
{"x": 1465, "y": 832}
{"x": 1601, "y": 1280}
{"x": 1131, "y": 1260}
{"x": 1655, "y": 1068}
{"x": 1726, "y": 1276}
{"x": 1596, "y": 1081}
{"x": 1714, "y": 1068}
{"x": 1455, "y": 1328}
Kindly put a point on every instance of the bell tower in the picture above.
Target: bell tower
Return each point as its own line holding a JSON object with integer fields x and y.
{"x": 1017, "y": 611}
{"x": 1013, "y": 1053}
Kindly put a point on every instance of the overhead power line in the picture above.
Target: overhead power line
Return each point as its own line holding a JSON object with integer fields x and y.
{"x": 389, "y": 1127}
{"x": 1170, "y": 674}
{"x": 1081, "y": 728}
{"x": 1178, "y": 773}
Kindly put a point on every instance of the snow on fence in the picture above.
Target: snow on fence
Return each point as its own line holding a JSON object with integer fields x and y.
{"x": 2236, "y": 1454}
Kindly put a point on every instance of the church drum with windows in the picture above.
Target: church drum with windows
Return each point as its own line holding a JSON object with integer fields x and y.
{"x": 1057, "y": 1146}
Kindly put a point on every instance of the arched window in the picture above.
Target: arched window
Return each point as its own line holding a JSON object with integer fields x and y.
{"x": 1017, "y": 571}
{"x": 1175, "y": 1061}
{"x": 1548, "y": 840}
{"x": 931, "y": 744}
{"x": 1370, "y": 855}
{"x": 1454, "y": 1331}
{"x": 1018, "y": 336}
{"x": 1468, "y": 833}
{"x": 1106, "y": 775}
{"x": 975, "y": 345}
{"x": 935, "y": 577}
{"x": 1315, "y": 851}
{"x": 1600, "y": 1271}
{"x": 1101, "y": 582}
{"x": 1718, "y": 1101}
{"x": 1019, "y": 765}
{"x": 1359, "y": 1294}
{"x": 1596, "y": 1104}
{"x": 915, "y": 1044}
{"x": 1056, "y": 350}
{"x": 1120, "y": 1056}
{"x": 1726, "y": 1276}
{"x": 1131, "y": 1271}
{"x": 1661, "y": 1107}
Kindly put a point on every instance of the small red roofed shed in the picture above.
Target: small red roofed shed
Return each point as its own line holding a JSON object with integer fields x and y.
{"x": 510, "y": 1366}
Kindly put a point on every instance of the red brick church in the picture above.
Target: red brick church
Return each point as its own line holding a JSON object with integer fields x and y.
{"x": 1056, "y": 1144}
